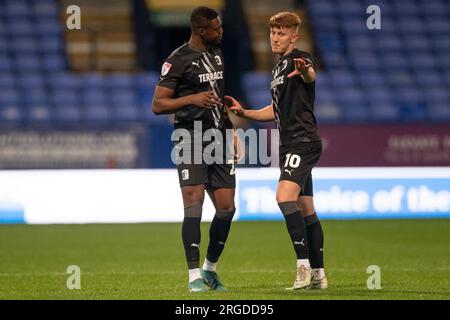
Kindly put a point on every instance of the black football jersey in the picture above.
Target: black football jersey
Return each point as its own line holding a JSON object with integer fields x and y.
{"x": 293, "y": 101}
{"x": 188, "y": 71}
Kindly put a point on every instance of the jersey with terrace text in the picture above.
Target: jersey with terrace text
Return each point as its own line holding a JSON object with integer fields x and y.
{"x": 293, "y": 101}
{"x": 189, "y": 71}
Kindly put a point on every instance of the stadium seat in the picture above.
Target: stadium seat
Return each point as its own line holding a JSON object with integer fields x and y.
{"x": 9, "y": 97}
{"x": 64, "y": 96}
{"x": 384, "y": 112}
{"x": 24, "y": 45}
{"x": 5, "y": 63}
{"x": 341, "y": 78}
{"x": 39, "y": 114}
{"x": 27, "y": 62}
{"x": 68, "y": 114}
{"x": 92, "y": 80}
{"x": 256, "y": 80}
{"x": 125, "y": 113}
{"x": 7, "y": 81}
{"x": 19, "y": 27}
{"x": 119, "y": 81}
{"x": 31, "y": 80}
{"x": 11, "y": 114}
{"x": 439, "y": 112}
{"x": 97, "y": 113}
{"x": 36, "y": 96}
{"x": 62, "y": 80}
{"x": 371, "y": 79}
{"x": 92, "y": 97}
{"x": 328, "y": 112}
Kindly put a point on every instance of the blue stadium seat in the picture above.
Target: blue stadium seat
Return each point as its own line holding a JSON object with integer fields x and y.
{"x": 11, "y": 114}
{"x": 63, "y": 80}
{"x": 54, "y": 63}
{"x": 7, "y": 81}
{"x": 351, "y": 97}
{"x": 347, "y": 9}
{"x": 428, "y": 78}
{"x": 119, "y": 81}
{"x": 441, "y": 43}
{"x": 371, "y": 79}
{"x": 399, "y": 78}
{"x": 45, "y": 8}
{"x": 379, "y": 94}
{"x": 97, "y": 113}
{"x": 93, "y": 98}
{"x": 147, "y": 80}
{"x": 16, "y": 9}
{"x": 92, "y": 80}
{"x": 50, "y": 45}
{"x": 24, "y": 45}
{"x": 39, "y": 114}
{"x": 436, "y": 95}
{"x": 439, "y": 26}
{"x": 354, "y": 25}
{"x": 439, "y": 113}
{"x": 9, "y": 97}
{"x": 325, "y": 23}
{"x": 365, "y": 61}
{"x": 422, "y": 61}
{"x": 384, "y": 112}
{"x": 256, "y": 80}
{"x": 408, "y": 25}
{"x": 417, "y": 43}
{"x": 27, "y": 62}
{"x": 125, "y": 113}
{"x": 335, "y": 59}
{"x": 5, "y": 63}
{"x": 389, "y": 42}
{"x": 123, "y": 96}
{"x": 433, "y": 8}
{"x": 64, "y": 97}
{"x": 68, "y": 114}
{"x": 48, "y": 28}
{"x": 20, "y": 27}
{"x": 28, "y": 81}
{"x": 322, "y": 7}
{"x": 394, "y": 61}
{"x": 405, "y": 7}
{"x": 36, "y": 97}
{"x": 356, "y": 113}
{"x": 4, "y": 45}
{"x": 328, "y": 112}
{"x": 341, "y": 78}
{"x": 360, "y": 42}
{"x": 259, "y": 98}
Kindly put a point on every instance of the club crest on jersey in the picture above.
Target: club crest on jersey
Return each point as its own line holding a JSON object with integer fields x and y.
{"x": 165, "y": 68}
{"x": 218, "y": 60}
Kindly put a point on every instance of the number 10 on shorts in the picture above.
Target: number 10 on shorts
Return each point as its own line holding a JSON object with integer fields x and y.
{"x": 292, "y": 160}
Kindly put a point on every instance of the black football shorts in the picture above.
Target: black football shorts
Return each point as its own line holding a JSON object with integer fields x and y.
{"x": 297, "y": 161}
{"x": 215, "y": 175}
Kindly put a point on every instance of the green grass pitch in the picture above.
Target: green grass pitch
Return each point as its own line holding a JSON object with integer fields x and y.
{"x": 146, "y": 261}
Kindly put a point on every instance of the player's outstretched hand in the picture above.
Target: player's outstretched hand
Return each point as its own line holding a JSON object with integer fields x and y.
{"x": 234, "y": 106}
{"x": 301, "y": 67}
{"x": 206, "y": 99}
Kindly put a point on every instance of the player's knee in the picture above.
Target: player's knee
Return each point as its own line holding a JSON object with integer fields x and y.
{"x": 226, "y": 214}
{"x": 193, "y": 211}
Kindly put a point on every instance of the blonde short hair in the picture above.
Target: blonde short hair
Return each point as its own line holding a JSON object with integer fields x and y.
{"x": 285, "y": 19}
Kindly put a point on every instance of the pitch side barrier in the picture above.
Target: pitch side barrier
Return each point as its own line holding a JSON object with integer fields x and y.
{"x": 142, "y": 195}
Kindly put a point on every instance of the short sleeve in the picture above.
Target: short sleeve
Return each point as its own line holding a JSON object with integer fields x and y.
{"x": 171, "y": 72}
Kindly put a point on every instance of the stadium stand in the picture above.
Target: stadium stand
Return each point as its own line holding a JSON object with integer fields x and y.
{"x": 397, "y": 74}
